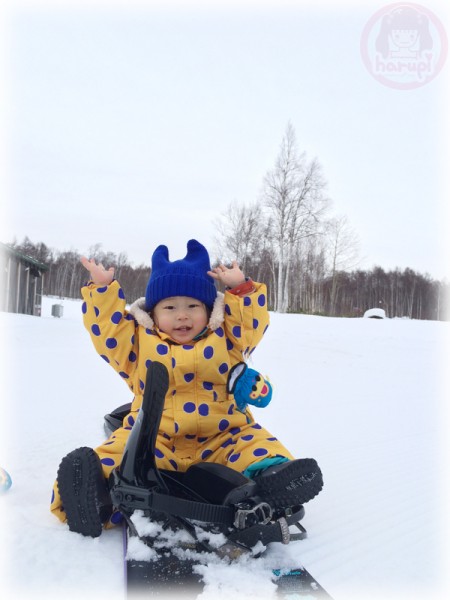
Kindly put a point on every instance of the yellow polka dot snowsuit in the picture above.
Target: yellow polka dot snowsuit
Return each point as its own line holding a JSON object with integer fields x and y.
{"x": 200, "y": 421}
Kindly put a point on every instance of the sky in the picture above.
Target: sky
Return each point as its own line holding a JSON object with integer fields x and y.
{"x": 135, "y": 124}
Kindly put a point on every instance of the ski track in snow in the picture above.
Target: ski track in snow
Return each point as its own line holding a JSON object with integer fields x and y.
{"x": 366, "y": 398}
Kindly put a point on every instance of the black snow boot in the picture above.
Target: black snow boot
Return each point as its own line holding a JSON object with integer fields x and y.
{"x": 290, "y": 484}
{"x": 84, "y": 492}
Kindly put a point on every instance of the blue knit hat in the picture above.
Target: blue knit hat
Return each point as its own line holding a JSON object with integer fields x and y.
{"x": 186, "y": 277}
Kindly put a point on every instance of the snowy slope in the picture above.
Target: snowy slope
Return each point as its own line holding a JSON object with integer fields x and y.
{"x": 366, "y": 398}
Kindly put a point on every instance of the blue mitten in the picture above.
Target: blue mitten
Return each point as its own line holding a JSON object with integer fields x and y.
{"x": 248, "y": 387}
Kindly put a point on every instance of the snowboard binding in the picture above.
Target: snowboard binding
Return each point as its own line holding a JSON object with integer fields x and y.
{"x": 208, "y": 496}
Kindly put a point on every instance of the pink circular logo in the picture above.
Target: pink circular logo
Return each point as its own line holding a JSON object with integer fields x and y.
{"x": 404, "y": 46}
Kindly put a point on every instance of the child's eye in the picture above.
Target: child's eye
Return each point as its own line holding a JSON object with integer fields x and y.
{"x": 193, "y": 305}
{"x": 169, "y": 307}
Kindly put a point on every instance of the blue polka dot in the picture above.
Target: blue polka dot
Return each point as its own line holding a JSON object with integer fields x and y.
{"x": 111, "y": 343}
{"x": 272, "y": 439}
{"x": 256, "y": 426}
{"x": 247, "y": 301}
{"x": 141, "y": 384}
{"x": 97, "y": 311}
{"x": 148, "y": 362}
{"x": 176, "y": 427}
{"x": 224, "y": 424}
{"x": 260, "y": 452}
{"x": 207, "y": 385}
{"x": 149, "y": 332}
{"x": 116, "y": 518}
{"x": 202, "y": 440}
{"x": 187, "y": 347}
{"x": 109, "y": 462}
{"x": 219, "y": 331}
{"x": 223, "y": 368}
{"x": 227, "y": 443}
{"x": 130, "y": 420}
{"x": 124, "y": 375}
{"x": 129, "y": 317}
{"x": 205, "y": 454}
{"x": 235, "y": 430}
{"x": 162, "y": 349}
{"x": 203, "y": 410}
{"x": 255, "y": 323}
{"x": 53, "y": 497}
{"x": 265, "y": 329}
{"x": 95, "y": 329}
{"x": 102, "y": 290}
{"x": 158, "y": 453}
{"x": 174, "y": 464}
{"x": 236, "y": 331}
{"x": 190, "y": 436}
{"x": 215, "y": 396}
{"x": 247, "y": 438}
{"x": 84, "y": 308}
{"x": 105, "y": 358}
{"x": 231, "y": 409}
{"x": 189, "y": 407}
{"x": 132, "y": 357}
{"x": 121, "y": 294}
{"x": 234, "y": 457}
{"x": 173, "y": 363}
{"x": 262, "y": 300}
{"x": 228, "y": 310}
{"x": 109, "y": 443}
{"x": 229, "y": 345}
{"x": 208, "y": 352}
{"x": 189, "y": 377}
{"x": 116, "y": 317}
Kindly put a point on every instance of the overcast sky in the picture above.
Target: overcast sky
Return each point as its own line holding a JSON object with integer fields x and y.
{"x": 136, "y": 124}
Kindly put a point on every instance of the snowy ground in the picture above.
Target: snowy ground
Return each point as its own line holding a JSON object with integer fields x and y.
{"x": 367, "y": 398}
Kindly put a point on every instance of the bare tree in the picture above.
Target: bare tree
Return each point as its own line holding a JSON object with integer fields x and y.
{"x": 238, "y": 232}
{"x": 294, "y": 194}
{"x": 343, "y": 251}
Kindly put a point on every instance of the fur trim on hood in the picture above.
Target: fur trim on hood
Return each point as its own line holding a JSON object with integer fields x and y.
{"x": 137, "y": 309}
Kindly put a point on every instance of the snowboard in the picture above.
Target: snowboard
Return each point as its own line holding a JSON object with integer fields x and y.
{"x": 168, "y": 575}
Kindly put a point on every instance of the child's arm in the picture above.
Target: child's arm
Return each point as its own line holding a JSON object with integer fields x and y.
{"x": 246, "y": 314}
{"x": 111, "y": 327}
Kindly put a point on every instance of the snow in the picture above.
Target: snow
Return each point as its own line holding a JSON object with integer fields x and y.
{"x": 365, "y": 397}
{"x": 375, "y": 313}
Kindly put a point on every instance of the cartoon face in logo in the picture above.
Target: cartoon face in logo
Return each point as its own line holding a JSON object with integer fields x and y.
{"x": 404, "y": 32}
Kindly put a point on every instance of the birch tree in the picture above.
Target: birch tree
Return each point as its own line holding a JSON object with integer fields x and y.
{"x": 238, "y": 233}
{"x": 293, "y": 192}
{"x": 343, "y": 251}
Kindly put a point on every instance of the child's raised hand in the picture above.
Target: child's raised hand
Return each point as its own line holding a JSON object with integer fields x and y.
{"x": 99, "y": 275}
{"x": 229, "y": 276}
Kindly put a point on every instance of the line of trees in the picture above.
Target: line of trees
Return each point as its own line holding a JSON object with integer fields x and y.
{"x": 287, "y": 240}
{"x": 66, "y": 275}
{"x": 313, "y": 287}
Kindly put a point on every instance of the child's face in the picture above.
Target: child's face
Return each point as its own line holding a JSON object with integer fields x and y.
{"x": 181, "y": 317}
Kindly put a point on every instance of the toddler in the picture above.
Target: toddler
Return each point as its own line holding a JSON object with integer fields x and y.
{"x": 201, "y": 336}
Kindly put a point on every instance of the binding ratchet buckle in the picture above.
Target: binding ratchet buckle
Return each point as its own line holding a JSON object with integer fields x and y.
{"x": 247, "y": 516}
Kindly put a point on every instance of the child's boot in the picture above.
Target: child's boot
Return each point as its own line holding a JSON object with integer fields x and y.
{"x": 290, "y": 483}
{"x": 84, "y": 492}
